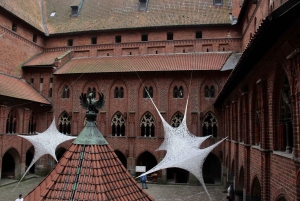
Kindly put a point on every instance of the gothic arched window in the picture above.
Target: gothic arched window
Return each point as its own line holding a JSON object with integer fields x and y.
{"x": 150, "y": 92}
{"x": 209, "y": 125}
{"x": 147, "y": 125}
{"x": 118, "y": 125}
{"x": 94, "y": 92}
{"x": 209, "y": 92}
{"x": 11, "y": 123}
{"x": 66, "y": 92}
{"x": 286, "y": 142}
{"x": 65, "y": 124}
{"x": 212, "y": 91}
{"x": 178, "y": 92}
{"x": 119, "y": 92}
{"x": 116, "y": 92}
{"x": 206, "y": 92}
{"x": 177, "y": 119}
{"x": 32, "y": 124}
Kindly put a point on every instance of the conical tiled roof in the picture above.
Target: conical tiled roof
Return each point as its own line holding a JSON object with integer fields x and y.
{"x": 88, "y": 172}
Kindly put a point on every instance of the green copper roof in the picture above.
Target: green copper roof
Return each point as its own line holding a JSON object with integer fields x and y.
{"x": 90, "y": 135}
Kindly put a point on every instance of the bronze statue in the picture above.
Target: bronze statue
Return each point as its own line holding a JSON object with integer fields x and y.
{"x": 90, "y": 104}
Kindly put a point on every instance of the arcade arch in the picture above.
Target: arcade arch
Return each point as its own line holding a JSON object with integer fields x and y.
{"x": 29, "y": 157}
{"x": 10, "y": 164}
{"x": 212, "y": 169}
{"x": 122, "y": 158}
{"x": 146, "y": 159}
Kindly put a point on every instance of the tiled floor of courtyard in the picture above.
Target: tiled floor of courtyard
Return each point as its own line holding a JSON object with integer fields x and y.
{"x": 158, "y": 192}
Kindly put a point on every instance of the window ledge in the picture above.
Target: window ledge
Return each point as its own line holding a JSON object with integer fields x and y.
{"x": 283, "y": 154}
{"x": 147, "y": 137}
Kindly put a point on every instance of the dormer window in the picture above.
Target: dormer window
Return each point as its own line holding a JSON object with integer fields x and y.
{"x": 143, "y": 5}
{"x": 76, "y": 7}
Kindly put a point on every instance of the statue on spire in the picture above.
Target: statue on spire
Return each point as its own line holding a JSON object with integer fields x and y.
{"x": 90, "y": 104}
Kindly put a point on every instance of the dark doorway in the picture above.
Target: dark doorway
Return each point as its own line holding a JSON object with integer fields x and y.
{"x": 177, "y": 175}
{"x": 122, "y": 158}
{"x": 29, "y": 157}
{"x": 256, "y": 190}
{"x": 9, "y": 160}
{"x": 59, "y": 153}
{"x": 212, "y": 170}
{"x": 146, "y": 159}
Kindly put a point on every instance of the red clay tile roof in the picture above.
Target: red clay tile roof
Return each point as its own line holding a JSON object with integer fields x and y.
{"x": 88, "y": 172}
{"x": 29, "y": 11}
{"x": 16, "y": 88}
{"x": 170, "y": 62}
{"x": 116, "y": 14}
{"x": 45, "y": 59}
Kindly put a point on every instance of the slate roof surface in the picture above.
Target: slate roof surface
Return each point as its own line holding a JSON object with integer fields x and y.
{"x": 28, "y": 10}
{"x": 88, "y": 172}
{"x": 116, "y": 14}
{"x": 44, "y": 59}
{"x": 17, "y": 88}
{"x": 170, "y": 62}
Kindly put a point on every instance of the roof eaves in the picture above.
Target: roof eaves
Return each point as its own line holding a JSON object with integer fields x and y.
{"x": 270, "y": 30}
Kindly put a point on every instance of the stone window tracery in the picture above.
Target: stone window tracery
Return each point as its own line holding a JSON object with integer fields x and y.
{"x": 210, "y": 125}
{"x": 177, "y": 119}
{"x": 178, "y": 92}
{"x": 11, "y": 123}
{"x": 147, "y": 125}
{"x": 65, "y": 124}
{"x": 66, "y": 92}
{"x": 118, "y": 125}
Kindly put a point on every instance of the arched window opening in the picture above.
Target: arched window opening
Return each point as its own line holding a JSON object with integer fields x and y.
{"x": 175, "y": 92}
{"x": 88, "y": 91}
{"x": 285, "y": 119}
{"x": 148, "y": 91}
{"x": 94, "y": 92}
{"x": 11, "y": 123}
{"x": 147, "y": 125}
{"x": 118, "y": 125}
{"x": 65, "y": 124}
{"x": 210, "y": 125}
{"x": 32, "y": 124}
{"x": 116, "y": 92}
{"x": 257, "y": 121}
{"x": 178, "y": 92}
{"x": 121, "y": 92}
{"x": 209, "y": 92}
{"x": 176, "y": 119}
{"x": 206, "y": 92}
{"x": 66, "y": 92}
{"x": 212, "y": 91}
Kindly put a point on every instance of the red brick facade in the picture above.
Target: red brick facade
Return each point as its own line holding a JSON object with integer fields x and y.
{"x": 253, "y": 157}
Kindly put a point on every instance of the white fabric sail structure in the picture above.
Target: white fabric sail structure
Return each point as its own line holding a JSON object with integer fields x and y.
{"x": 183, "y": 149}
{"x": 45, "y": 143}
